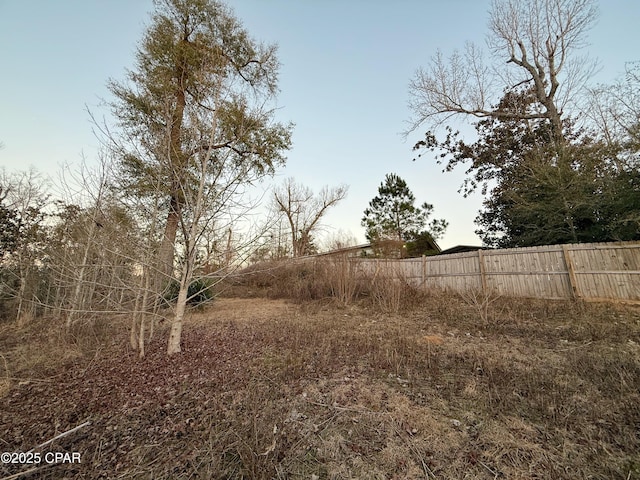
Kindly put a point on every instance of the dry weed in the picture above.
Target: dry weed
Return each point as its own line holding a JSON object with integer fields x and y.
{"x": 5, "y": 381}
{"x": 271, "y": 389}
{"x": 481, "y": 301}
{"x": 41, "y": 346}
{"x": 337, "y": 278}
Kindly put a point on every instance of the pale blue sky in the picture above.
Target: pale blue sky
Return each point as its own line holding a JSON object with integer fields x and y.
{"x": 345, "y": 69}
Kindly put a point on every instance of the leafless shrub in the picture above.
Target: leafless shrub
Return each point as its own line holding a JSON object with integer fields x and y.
{"x": 339, "y": 278}
{"x": 481, "y": 301}
{"x": 31, "y": 350}
{"x": 312, "y": 279}
{"x": 388, "y": 293}
{"x": 344, "y": 280}
{"x": 391, "y": 292}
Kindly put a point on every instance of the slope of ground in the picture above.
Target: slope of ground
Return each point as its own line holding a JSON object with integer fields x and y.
{"x": 269, "y": 389}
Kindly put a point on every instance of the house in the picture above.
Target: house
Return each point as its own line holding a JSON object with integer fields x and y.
{"x": 388, "y": 249}
{"x": 461, "y": 249}
{"x": 364, "y": 250}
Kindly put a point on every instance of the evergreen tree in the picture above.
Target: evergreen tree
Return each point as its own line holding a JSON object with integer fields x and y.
{"x": 392, "y": 219}
{"x": 200, "y": 87}
{"x": 196, "y": 121}
{"x": 588, "y": 191}
{"x": 10, "y": 226}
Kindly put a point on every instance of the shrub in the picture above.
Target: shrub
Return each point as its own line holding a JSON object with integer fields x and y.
{"x": 340, "y": 278}
{"x": 199, "y": 292}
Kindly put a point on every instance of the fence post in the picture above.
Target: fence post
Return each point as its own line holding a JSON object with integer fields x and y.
{"x": 483, "y": 273}
{"x": 571, "y": 271}
{"x": 424, "y": 271}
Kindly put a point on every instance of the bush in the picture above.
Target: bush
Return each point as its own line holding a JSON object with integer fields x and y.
{"x": 199, "y": 292}
{"x": 8, "y": 286}
{"x": 340, "y": 278}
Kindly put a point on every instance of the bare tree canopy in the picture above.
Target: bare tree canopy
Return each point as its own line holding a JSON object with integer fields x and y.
{"x": 304, "y": 210}
{"x": 615, "y": 109}
{"x": 537, "y": 39}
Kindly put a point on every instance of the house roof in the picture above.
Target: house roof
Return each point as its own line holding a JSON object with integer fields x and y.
{"x": 338, "y": 251}
{"x": 461, "y": 248}
{"x": 367, "y": 246}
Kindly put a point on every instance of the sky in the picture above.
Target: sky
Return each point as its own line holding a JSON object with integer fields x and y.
{"x": 345, "y": 70}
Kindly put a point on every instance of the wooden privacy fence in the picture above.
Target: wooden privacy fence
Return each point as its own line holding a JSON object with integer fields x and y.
{"x": 589, "y": 271}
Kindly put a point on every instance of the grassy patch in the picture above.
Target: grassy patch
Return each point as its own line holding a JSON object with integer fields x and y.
{"x": 329, "y": 389}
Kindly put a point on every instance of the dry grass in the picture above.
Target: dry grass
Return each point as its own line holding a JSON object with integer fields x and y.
{"x": 334, "y": 389}
{"x": 35, "y": 349}
{"x": 336, "y": 278}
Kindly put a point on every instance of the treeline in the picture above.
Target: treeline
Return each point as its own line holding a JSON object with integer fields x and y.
{"x": 166, "y": 212}
{"x": 166, "y": 209}
{"x": 556, "y": 158}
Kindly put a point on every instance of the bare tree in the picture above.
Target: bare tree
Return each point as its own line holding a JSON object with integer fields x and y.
{"x": 275, "y": 244}
{"x": 211, "y": 211}
{"x": 537, "y": 39}
{"x": 339, "y": 240}
{"x": 303, "y": 210}
{"x": 94, "y": 247}
{"x": 615, "y": 108}
{"x": 95, "y": 184}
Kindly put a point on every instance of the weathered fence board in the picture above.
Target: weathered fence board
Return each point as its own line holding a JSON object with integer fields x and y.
{"x": 597, "y": 271}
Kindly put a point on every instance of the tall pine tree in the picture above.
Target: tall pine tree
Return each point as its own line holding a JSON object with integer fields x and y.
{"x": 196, "y": 123}
{"x": 200, "y": 86}
{"x": 394, "y": 224}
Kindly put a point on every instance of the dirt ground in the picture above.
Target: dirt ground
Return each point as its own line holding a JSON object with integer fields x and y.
{"x": 315, "y": 390}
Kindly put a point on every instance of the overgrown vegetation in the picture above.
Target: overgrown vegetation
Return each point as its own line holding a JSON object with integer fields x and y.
{"x": 322, "y": 368}
{"x": 199, "y": 292}
{"x": 319, "y": 389}
{"x": 338, "y": 278}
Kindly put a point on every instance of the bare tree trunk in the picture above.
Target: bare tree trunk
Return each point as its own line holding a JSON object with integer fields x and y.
{"x": 190, "y": 234}
{"x": 228, "y": 253}
{"x": 59, "y": 301}
{"x": 176, "y": 325}
{"x": 138, "y": 306}
{"x": 181, "y": 304}
{"x": 143, "y": 315}
{"x": 21, "y": 295}
{"x": 152, "y": 324}
{"x": 90, "y": 291}
{"x": 133, "y": 331}
{"x": 79, "y": 280}
{"x": 48, "y": 302}
{"x": 141, "y": 351}
{"x": 176, "y": 164}
{"x": 175, "y": 335}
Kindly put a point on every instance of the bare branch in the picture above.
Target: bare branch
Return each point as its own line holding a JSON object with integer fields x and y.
{"x": 304, "y": 211}
{"x": 536, "y": 38}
